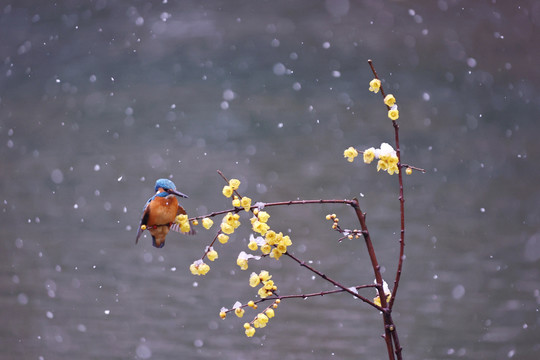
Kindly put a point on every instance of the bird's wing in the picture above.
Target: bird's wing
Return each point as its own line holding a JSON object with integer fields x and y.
{"x": 144, "y": 220}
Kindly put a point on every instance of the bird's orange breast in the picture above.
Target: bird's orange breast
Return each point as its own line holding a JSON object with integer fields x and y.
{"x": 162, "y": 210}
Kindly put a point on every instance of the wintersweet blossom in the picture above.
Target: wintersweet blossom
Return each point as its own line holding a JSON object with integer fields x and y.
{"x": 350, "y": 154}
{"x": 207, "y": 223}
{"x": 234, "y": 184}
{"x": 263, "y": 216}
{"x": 227, "y": 191}
{"x": 243, "y": 258}
{"x": 250, "y": 331}
{"x": 239, "y": 312}
{"x": 260, "y": 321}
{"x": 369, "y": 155}
{"x": 222, "y": 238}
{"x": 254, "y": 280}
{"x": 270, "y": 313}
{"x": 245, "y": 202}
{"x": 253, "y": 245}
{"x": 260, "y": 227}
{"x": 236, "y": 201}
{"x": 393, "y": 113}
{"x": 389, "y": 100}
{"x": 199, "y": 268}
{"x": 212, "y": 254}
{"x": 375, "y": 85}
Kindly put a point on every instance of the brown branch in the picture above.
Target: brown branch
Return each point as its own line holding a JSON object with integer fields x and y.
{"x": 332, "y": 281}
{"x": 305, "y": 296}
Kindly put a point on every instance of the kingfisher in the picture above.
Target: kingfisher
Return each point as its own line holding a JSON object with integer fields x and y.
{"x": 160, "y": 212}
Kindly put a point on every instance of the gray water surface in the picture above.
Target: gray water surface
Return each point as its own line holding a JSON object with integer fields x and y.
{"x": 98, "y": 99}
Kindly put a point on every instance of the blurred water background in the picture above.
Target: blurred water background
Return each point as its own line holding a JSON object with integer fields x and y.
{"x": 100, "y": 98}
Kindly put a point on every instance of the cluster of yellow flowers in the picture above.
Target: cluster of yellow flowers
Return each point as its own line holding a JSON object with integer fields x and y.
{"x": 273, "y": 243}
{"x": 261, "y": 320}
{"x": 389, "y": 100}
{"x": 228, "y": 190}
{"x": 268, "y": 285}
{"x": 244, "y": 202}
{"x": 230, "y": 223}
{"x": 388, "y": 160}
{"x": 199, "y": 268}
{"x": 183, "y": 221}
{"x": 259, "y": 221}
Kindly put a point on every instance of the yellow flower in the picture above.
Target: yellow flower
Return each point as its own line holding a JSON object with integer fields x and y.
{"x": 389, "y": 100}
{"x": 253, "y": 245}
{"x": 234, "y": 184}
{"x": 369, "y": 155}
{"x": 260, "y": 321}
{"x": 265, "y": 275}
{"x": 199, "y": 268}
{"x": 222, "y": 314}
{"x": 270, "y": 313}
{"x": 246, "y": 203}
{"x": 250, "y": 331}
{"x": 276, "y": 254}
{"x": 212, "y": 255}
{"x": 282, "y": 248}
{"x": 254, "y": 280}
{"x": 226, "y": 228}
{"x": 270, "y": 237}
{"x": 227, "y": 191}
{"x": 223, "y": 238}
{"x": 392, "y": 160}
{"x": 286, "y": 240}
{"x": 393, "y": 169}
{"x": 242, "y": 260}
{"x": 251, "y": 304}
{"x": 195, "y": 222}
{"x": 243, "y": 263}
{"x": 393, "y": 113}
{"x": 268, "y": 284}
{"x": 263, "y": 293}
{"x": 375, "y": 85}
{"x": 203, "y": 269}
{"x": 382, "y": 165}
{"x": 265, "y": 249}
{"x": 184, "y": 227}
{"x": 239, "y": 312}
{"x": 350, "y": 154}
{"x": 408, "y": 171}
{"x": 260, "y": 227}
{"x": 181, "y": 219}
{"x": 263, "y": 216}
{"x": 207, "y": 223}
{"x": 236, "y": 201}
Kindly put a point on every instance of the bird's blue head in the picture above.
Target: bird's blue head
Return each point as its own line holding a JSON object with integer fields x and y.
{"x": 169, "y": 187}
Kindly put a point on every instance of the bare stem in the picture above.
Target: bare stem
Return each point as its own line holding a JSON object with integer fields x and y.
{"x": 333, "y": 282}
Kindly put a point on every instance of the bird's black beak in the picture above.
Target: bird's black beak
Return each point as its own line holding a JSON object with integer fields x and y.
{"x": 177, "y": 193}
